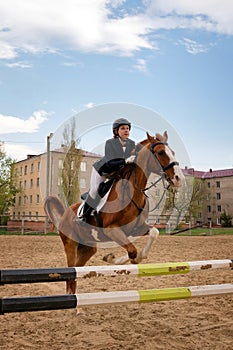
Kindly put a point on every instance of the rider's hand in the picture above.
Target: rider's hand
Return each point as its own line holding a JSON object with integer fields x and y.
{"x": 129, "y": 160}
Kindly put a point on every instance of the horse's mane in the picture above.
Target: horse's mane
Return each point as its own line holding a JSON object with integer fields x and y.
{"x": 139, "y": 145}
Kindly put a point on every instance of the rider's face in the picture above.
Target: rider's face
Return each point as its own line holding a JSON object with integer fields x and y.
{"x": 123, "y": 131}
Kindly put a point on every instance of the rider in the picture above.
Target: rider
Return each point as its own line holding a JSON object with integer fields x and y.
{"x": 118, "y": 152}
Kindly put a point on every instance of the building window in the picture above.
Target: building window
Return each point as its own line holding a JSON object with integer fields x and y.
{"x": 218, "y": 184}
{"x": 83, "y": 166}
{"x": 208, "y": 184}
{"x": 31, "y": 183}
{"x": 209, "y": 208}
{"x": 59, "y": 181}
{"x": 37, "y": 199}
{"x": 23, "y": 215}
{"x": 82, "y": 182}
{"x": 25, "y": 184}
{"x": 25, "y": 170}
{"x": 30, "y": 199}
{"x": 218, "y": 195}
{"x": 29, "y": 215}
{"x": 32, "y": 167}
{"x": 38, "y": 166}
{"x": 218, "y": 221}
{"x": 38, "y": 182}
{"x": 19, "y": 200}
{"x": 37, "y": 215}
{"x": 13, "y": 216}
{"x": 219, "y": 208}
{"x": 21, "y": 171}
{"x": 208, "y": 196}
{"x": 60, "y": 164}
{"x": 24, "y": 199}
{"x": 18, "y": 215}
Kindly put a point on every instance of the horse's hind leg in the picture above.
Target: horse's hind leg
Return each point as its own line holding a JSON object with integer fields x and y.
{"x": 76, "y": 255}
{"x": 71, "y": 250}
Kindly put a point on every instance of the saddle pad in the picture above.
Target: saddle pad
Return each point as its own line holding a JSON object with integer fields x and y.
{"x": 99, "y": 206}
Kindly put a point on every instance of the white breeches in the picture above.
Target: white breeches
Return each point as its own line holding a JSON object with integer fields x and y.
{"x": 96, "y": 179}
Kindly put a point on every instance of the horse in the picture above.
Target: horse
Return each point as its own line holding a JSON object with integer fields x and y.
{"x": 125, "y": 212}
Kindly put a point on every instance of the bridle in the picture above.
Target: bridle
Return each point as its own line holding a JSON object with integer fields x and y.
{"x": 162, "y": 175}
{"x": 170, "y": 165}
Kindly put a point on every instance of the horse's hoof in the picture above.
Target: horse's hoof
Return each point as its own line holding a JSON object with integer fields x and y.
{"x": 132, "y": 255}
{"x": 109, "y": 258}
{"x": 80, "y": 312}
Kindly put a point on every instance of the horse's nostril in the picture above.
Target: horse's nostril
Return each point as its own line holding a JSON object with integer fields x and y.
{"x": 177, "y": 178}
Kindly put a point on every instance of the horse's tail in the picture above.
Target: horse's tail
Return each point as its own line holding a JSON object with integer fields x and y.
{"x": 54, "y": 209}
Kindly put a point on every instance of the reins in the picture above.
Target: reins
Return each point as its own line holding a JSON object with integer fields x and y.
{"x": 153, "y": 184}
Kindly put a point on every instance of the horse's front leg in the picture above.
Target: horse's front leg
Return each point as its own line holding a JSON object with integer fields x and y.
{"x": 118, "y": 236}
{"x": 143, "y": 254}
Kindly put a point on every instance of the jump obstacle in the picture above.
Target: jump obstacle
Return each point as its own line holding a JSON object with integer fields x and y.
{"x": 56, "y": 302}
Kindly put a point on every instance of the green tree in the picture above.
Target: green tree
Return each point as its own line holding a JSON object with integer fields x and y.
{"x": 226, "y": 220}
{"x": 71, "y": 165}
{"x": 8, "y": 188}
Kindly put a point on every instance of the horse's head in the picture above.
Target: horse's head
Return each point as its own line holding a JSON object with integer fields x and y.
{"x": 165, "y": 156}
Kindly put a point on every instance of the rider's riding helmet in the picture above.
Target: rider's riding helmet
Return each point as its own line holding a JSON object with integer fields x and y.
{"x": 117, "y": 123}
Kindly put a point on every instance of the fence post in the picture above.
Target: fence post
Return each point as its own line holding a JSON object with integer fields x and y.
{"x": 22, "y": 226}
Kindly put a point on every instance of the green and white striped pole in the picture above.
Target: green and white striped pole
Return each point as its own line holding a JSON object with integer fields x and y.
{"x": 57, "y": 302}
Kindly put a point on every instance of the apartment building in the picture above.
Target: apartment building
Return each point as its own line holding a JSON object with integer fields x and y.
{"x": 219, "y": 194}
{"x": 36, "y": 183}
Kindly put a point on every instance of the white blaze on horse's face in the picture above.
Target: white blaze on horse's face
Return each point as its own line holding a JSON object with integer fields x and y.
{"x": 176, "y": 176}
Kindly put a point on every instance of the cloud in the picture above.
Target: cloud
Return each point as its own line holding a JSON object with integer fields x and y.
{"x": 103, "y": 26}
{"x": 20, "y": 151}
{"x": 210, "y": 15}
{"x": 7, "y": 51}
{"x": 89, "y": 105}
{"x": 192, "y": 46}
{"x": 19, "y": 64}
{"x": 140, "y": 65}
{"x": 11, "y": 124}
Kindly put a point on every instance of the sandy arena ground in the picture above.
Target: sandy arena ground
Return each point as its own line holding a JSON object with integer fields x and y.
{"x": 199, "y": 323}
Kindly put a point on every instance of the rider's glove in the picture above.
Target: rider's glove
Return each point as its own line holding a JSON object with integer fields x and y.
{"x": 129, "y": 160}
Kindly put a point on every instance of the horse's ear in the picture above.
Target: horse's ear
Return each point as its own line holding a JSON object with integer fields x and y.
{"x": 165, "y": 135}
{"x": 150, "y": 138}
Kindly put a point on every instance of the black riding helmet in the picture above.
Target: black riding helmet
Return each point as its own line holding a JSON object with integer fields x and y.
{"x": 118, "y": 122}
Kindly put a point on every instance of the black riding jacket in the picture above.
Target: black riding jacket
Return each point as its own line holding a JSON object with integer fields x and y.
{"x": 115, "y": 156}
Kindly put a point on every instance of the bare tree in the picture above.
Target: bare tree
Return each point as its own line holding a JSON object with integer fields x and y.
{"x": 187, "y": 202}
{"x": 71, "y": 165}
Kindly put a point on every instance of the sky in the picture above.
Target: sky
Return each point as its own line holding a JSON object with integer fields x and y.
{"x": 59, "y": 58}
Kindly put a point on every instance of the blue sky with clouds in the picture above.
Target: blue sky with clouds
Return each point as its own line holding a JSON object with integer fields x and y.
{"x": 172, "y": 56}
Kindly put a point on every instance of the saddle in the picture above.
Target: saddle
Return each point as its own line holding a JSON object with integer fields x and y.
{"x": 103, "y": 189}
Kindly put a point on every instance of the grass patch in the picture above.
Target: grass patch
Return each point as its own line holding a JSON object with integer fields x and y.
{"x": 31, "y": 233}
{"x": 204, "y": 231}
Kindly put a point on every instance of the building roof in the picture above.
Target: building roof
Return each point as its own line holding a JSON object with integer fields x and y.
{"x": 208, "y": 174}
{"x": 61, "y": 150}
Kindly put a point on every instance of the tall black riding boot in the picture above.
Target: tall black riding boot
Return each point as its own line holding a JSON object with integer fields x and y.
{"x": 89, "y": 205}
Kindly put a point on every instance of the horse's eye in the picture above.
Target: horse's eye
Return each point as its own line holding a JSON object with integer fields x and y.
{"x": 161, "y": 153}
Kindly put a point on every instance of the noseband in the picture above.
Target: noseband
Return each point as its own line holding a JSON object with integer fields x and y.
{"x": 170, "y": 165}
